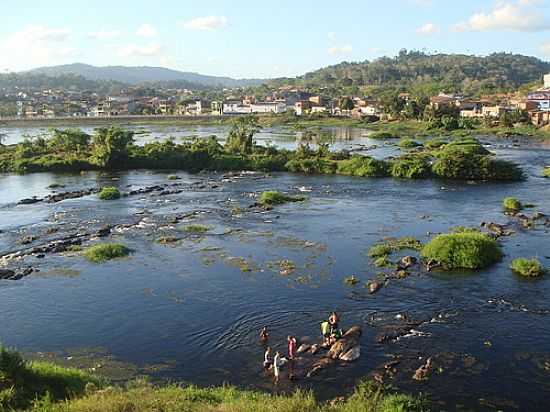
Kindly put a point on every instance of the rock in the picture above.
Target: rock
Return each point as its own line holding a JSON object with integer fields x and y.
{"x": 407, "y": 262}
{"x": 374, "y": 286}
{"x": 28, "y": 240}
{"x": 104, "y": 231}
{"x": 401, "y": 274}
{"x": 346, "y": 343}
{"x": 321, "y": 364}
{"x": 337, "y": 401}
{"x": 168, "y": 239}
{"x": 30, "y": 201}
{"x": 432, "y": 264}
{"x": 496, "y": 229}
{"x": 423, "y": 372}
{"x": 314, "y": 349}
{"x": 6, "y": 273}
{"x": 303, "y": 348}
{"x": 351, "y": 355}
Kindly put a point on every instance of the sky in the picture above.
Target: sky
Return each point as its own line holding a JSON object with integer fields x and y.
{"x": 262, "y": 39}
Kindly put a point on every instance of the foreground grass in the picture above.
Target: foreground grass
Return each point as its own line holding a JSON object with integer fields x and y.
{"x": 107, "y": 251}
{"x": 146, "y": 398}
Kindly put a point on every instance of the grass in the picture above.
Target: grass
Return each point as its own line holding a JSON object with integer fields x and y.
{"x": 143, "y": 397}
{"x": 272, "y": 198}
{"x": 511, "y": 204}
{"x": 109, "y": 193}
{"x": 408, "y": 144}
{"x": 381, "y": 251}
{"x": 546, "y": 172}
{"x": 105, "y": 252}
{"x": 196, "y": 228}
{"x": 383, "y": 135}
{"x": 527, "y": 267}
{"x": 464, "y": 250}
{"x": 22, "y": 382}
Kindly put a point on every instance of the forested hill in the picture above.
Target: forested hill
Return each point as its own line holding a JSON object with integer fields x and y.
{"x": 451, "y": 72}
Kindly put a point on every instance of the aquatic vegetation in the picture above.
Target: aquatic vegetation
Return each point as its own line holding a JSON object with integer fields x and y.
{"x": 22, "y": 382}
{"x": 411, "y": 167}
{"x": 351, "y": 280}
{"x": 383, "y": 261}
{"x": 106, "y": 251}
{"x": 271, "y": 198}
{"x": 196, "y": 228}
{"x": 383, "y": 135}
{"x": 434, "y": 143}
{"x": 286, "y": 267}
{"x": 380, "y": 250}
{"x": 546, "y": 172}
{"x": 386, "y": 248}
{"x": 527, "y": 267}
{"x": 109, "y": 193}
{"x": 173, "y": 177}
{"x": 408, "y": 144}
{"x": 364, "y": 166}
{"x": 464, "y": 229}
{"x": 511, "y": 204}
{"x": 465, "y": 250}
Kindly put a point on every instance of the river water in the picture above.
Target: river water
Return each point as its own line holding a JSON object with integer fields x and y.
{"x": 196, "y": 306}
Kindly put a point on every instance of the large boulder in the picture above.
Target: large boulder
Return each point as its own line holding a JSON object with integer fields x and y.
{"x": 346, "y": 343}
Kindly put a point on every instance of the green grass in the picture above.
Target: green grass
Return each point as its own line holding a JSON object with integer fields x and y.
{"x": 103, "y": 252}
{"x": 408, "y": 144}
{"x": 465, "y": 250}
{"x": 383, "y": 135}
{"x": 142, "y": 397}
{"x": 384, "y": 249}
{"x": 22, "y": 382}
{"x": 272, "y": 198}
{"x": 196, "y": 228}
{"x": 546, "y": 172}
{"x": 527, "y": 267}
{"x": 511, "y": 204}
{"x": 109, "y": 193}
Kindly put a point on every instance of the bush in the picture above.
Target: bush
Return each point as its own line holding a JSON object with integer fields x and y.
{"x": 312, "y": 166}
{"x": 364, "y": 166}
{"x": 408, "y": 144}
{"x": 466, "y": 250}
{"x": 434, "y": 143}
{"x": 196, "y": 228}
{"x": 411, "y": 167}
{"x": 109, "y": 193}
{"x": 271, "y": 198}
{"x": 511, "y": 204}
{"x": 383, "y": 136}
{"x": 527, "y": 267}
{"x": 467, "y": 166}
{"x": 106, "y": 251}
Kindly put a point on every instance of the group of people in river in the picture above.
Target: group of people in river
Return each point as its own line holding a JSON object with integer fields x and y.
{"x": 330, "y": 333}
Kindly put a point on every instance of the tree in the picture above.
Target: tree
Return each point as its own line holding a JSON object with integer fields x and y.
{"x": 240, "y": 138}
{"x": 346, "y": 103}
{"x": 110, "y": 146}
{"x": 70, "y": 140}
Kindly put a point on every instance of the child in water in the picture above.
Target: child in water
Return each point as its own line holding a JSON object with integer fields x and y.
{"x": 276, "y": 365}
{"x": 264, "y": 335}
{"x": 267, "y": 359}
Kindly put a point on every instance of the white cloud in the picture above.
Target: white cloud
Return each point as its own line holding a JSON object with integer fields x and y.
{"x": 207, "y": 23}
{"x": 339, "y": 50}
{"x": 522, "y": 15}
{"x": 428, "y": 29}
{"x": 133, "y": 50}
{"x": 147, "y": 30}
{"x": 35, "y": 45}
{"x": 104, "y": 34}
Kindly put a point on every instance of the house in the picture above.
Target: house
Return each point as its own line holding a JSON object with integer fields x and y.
{"x": 493, "y": 111}
{"x": 302, "y": 107}
{"x": 539, "y": 118}
{"x": 316, "y": 100}
{"x": 541, "y": 98}
{"x": 268, "y": 107}
{"x": 216, "y": 108}
{"x": 471, "y": 108}
{"x": 236, "y": 107}
{"x": 442, "y": 100}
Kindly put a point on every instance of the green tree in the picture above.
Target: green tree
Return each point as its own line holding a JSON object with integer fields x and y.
{"x": 346, "y": 103}
{"x": 241, "y": 135}
{"x": 110, "y": 146}
{"x": 70, "y": 140}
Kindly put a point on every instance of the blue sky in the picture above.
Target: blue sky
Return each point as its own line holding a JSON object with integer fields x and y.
{"x": 244, "y": 38}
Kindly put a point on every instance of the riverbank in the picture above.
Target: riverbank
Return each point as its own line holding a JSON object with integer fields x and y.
{"x": 46, "y": 387}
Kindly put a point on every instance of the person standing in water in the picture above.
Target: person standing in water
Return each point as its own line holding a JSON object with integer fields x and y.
{"x": 325, "y": 331}
{"x": 267, "y": 359}
{"x": 291, "y": 347}
{"x": 276, "y": 364}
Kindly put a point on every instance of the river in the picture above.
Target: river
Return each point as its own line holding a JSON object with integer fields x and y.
{"x": 196, "y": 306}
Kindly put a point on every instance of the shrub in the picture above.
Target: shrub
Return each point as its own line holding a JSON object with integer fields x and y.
{"x": 467, "y": 166}
{"x": 527, "y": 267}
{"x": 271, "y": 198}
{"x": 364, "y": 166}
{"x": 466, "y": 250}
{"x": 106, "y": 251}
{"x": 383, "y": 136}
{"x": 511, "y": 204}
{"x": 196, "y": 228}
{"x": 408, "y": 144}
{"x": 109, "y": 193}
{"x": 312, "y": 165}
{"x": 411, "y": 167}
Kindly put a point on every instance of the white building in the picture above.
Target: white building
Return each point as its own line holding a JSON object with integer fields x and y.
{"x": 268, "y": 107}
{"x": 236, "y": 107}
{"x": 547, "y": 81}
